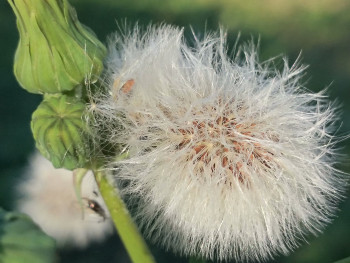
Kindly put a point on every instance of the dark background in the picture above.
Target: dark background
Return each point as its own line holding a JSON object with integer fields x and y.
{"x": 318, "y": 29}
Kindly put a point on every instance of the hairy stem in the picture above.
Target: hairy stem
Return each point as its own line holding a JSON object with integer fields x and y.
{"x": 127, "y": 230}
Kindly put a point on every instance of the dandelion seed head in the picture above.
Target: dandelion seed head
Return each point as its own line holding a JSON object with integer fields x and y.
{"x": 47, "y": 195}
{"x": 228, "y": 157}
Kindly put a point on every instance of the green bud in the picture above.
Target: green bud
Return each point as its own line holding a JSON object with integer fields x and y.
{"x": 55, "y": 52}
{"x": 60, "y": 132}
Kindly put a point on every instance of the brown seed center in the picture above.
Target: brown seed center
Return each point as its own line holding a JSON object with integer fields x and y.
{"x": 225, "y": 146}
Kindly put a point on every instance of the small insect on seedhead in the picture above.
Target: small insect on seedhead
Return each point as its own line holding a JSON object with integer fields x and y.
{"x": 125, "y": 89}
{"x": 96, "y": 208}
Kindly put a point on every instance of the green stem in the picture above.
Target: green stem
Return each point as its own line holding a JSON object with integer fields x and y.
{"x": 127, "y": 230}
{"x": 78, "y": 176}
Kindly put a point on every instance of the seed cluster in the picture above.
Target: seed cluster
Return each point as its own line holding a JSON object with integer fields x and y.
{"x": 224, "y": 144}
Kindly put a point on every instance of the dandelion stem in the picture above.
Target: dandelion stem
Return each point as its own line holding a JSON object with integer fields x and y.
{"x": 127, "y": 230}
{"x": 78, "y": 176}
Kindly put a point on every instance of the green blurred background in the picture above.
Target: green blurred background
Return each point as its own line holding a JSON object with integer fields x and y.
{"x": 320, "y": 29}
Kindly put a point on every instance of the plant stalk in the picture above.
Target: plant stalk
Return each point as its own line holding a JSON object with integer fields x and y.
{"x": 127, "y": 230}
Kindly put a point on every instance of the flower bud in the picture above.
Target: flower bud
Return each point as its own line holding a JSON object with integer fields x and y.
{"x": 60, "y": 133}
{"x": 55, "y": 52}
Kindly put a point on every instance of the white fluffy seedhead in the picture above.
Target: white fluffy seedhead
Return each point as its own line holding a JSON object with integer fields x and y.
{"x": 227, "y": 158}
{"x": 47, "y": 195}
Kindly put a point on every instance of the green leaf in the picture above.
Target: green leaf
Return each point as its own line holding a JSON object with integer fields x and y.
{"x": 23, "y": 241}
{"x": 344, "y": 260}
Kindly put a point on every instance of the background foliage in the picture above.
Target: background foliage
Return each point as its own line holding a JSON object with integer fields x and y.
{"x": 319, "y": 29}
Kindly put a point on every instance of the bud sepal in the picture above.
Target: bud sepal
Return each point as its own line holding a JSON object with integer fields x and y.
{"x": 60, "y": 132}
{"x": 56, "y": 52}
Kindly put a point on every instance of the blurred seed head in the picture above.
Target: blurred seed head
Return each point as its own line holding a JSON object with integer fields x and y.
{"x": 47, "y": 195}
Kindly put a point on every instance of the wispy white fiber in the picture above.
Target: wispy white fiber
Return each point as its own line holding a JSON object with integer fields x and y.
{"x": 47, "y": 196}
{"x": 228, "y": 157}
